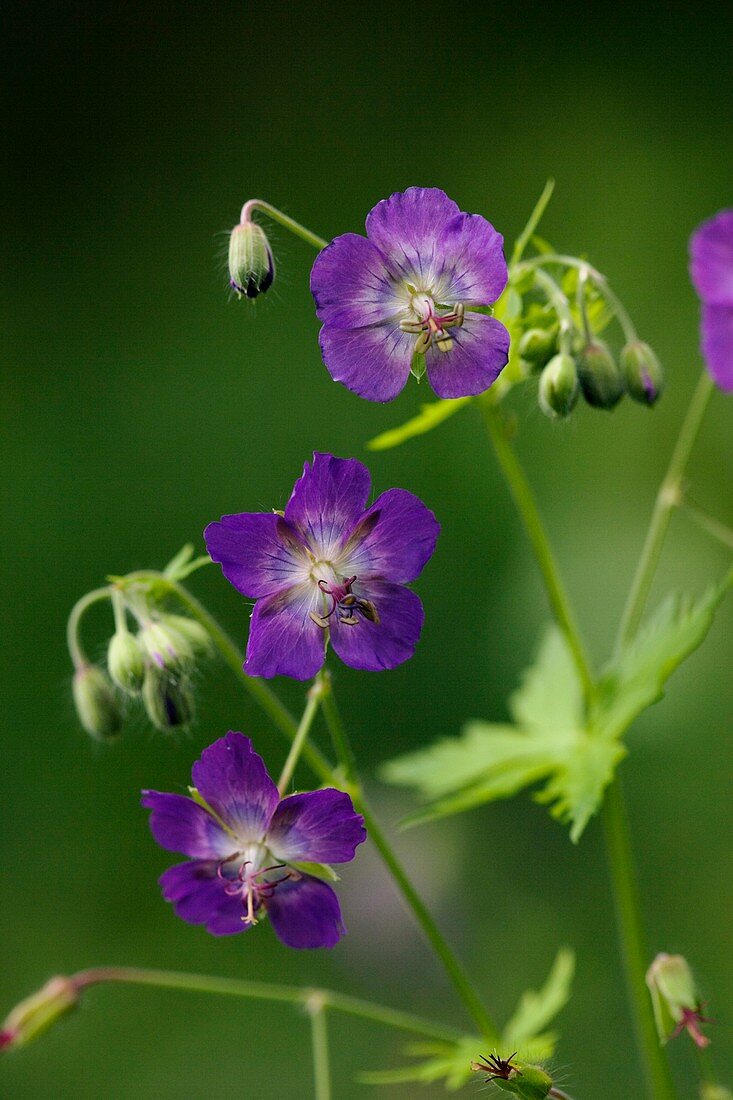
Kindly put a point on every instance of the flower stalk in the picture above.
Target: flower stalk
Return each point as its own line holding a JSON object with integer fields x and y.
{"x": 282, "y": 219}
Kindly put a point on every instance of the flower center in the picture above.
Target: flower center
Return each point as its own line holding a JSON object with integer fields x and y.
{"x": 430, "y": 326}
{"x": 249, "y": 882}
{"x": 345, "y": 604}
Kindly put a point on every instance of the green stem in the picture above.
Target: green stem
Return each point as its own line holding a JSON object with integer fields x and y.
{"x": 708, "y": 523}
{"x": 526, "y": 504}
{"x": 283, "y": 219}
{"x": 319, "y": 1042}
{"x": 432, "y": 933}
{"x": 629, "y": 329}
{"x": 634, "y": 951}
{"x": 668, "y": 497}
{"x": 301, "y": 736}
{"x": 266, "y": 991}
{"x": 76, "y": 649}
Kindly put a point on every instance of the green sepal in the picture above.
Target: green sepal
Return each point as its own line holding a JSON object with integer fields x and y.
{"x": 322, "y": 871}
{"x": 417, "y": 366}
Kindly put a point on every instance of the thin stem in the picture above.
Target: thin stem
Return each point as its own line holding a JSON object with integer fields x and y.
{"x": 266, "y": 991}
{"x": 634, "y": 951}
{"x": 118, "y": 607}
{"x": 73, "y": 639}
{"x": 708, "y": 523}
{"x": 534, "y": 220}
{"x": 301, "y": 736}
{"x": 432, "y": 933}
{"x": 629, "y": 329}
{"x": 283, "y": 219}
{"x": 319, "y": 1042}
{"x": 556, "y": 296}
{"x": 668, "y": 497}
{"x": 526, "y": 504}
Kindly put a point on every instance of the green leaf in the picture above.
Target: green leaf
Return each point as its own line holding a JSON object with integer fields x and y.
{"x": 429, "y": 417}
{"x": 446, "y": 1061}
{"x": 636, "y": 679}
{"x": 538, "y": 1008}
{"x": 550, "y": 695}
{"x": 184, "y": 563}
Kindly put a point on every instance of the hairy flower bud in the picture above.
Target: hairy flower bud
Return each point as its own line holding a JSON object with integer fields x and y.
{"x": 675, "y": 999}
{"x": 166, "y": 646}
{"x": 558, "y": 390}
{"x": 600, "y": 377}
{"x": 642, "y": 371}
{"x": 194, "y": 633}
{"x": 37, "y": 1012}
{"x": 537, "y": 345}
{"x": 96, "y": 703}
{"x": 251, "y": 263}
{"x": 168, "y": 702}
{"x": 126, "y": 662}
{"x": 519, "y": 1078}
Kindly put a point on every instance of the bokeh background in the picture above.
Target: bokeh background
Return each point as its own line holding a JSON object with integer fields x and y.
{"x": 141, "y": 402}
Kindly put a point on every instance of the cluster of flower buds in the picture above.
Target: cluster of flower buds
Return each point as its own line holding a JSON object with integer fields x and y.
{"x": 561, "y": 341}
{"x": 675, "y": 999}
{"x": 524, "y": 1079}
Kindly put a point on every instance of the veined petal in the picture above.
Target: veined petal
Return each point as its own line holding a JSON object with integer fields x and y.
{"x": 407, "y": 226}
{"x": 327, "y": 501}
{"x": 351, "y": 285}
{"x": 259, "y": 552}
{"x": 474, "y": 269}
{"x": 477, "y": 357}
{"x": 305, "y": 913}
{"x": 181, "y": 825}
{"x": 717, "y": 343}
{"x": 386, "y": 644}
{"x": 198, "y": 896}
{"x": 711, "y": 259}
{"x": 395, "y": 539}
{"x": 372, "y": 362}
{"x": 234, "y": 781}
{"x": 317, "y": 826}
{"x": 283, "y": 639}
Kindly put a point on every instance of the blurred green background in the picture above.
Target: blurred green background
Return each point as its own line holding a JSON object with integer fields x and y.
{"x": 141, "y": 403}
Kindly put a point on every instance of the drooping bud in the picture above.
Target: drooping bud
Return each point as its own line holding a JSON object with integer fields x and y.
{"x": 169, "y": 703}
{"x": 512, "y": 1075}
{"x": 251, "y": 263}
{"x": 96, "y": 703}
{"x": 126, "y": 662}
{"x": 194, "y": 633}
{"x": 642, "y": 371}
{"x": 675, "y": 999}
{"x": 538, "y": 345}
{"x": 600, "y": 378}
{"x": 166, "y": 646}
{"x": 558, "y": 390}
{"x": 38, "y": 1012}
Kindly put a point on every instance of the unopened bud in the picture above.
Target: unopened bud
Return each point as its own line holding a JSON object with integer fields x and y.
{"x": 675, "y": 999}
{"x": 168, "y": 702}
{"x": 537, "y": 345}
{"x": 599, "y": 375}
{"x": 558, "y": 390}
{"x": 642, "y": 371}
{"x": 33, "y": 1015}
{"x": 166, "y": 646}
{"x": 251, "y": 263}
{"x": 194, "y": 633}
{"x": 519, "y": 1078}
{"x": 126, "y": 662}
{"x": 96, "y": 703}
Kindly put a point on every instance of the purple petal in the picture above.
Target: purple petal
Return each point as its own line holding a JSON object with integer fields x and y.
{"x": 181, "y": 825}
{"x": 327, "y": 501}
{"x": 717, "y": 343}
{"x": 711, "y": 259}
{"x": 372, "y": 362}
{"x": 377, "y": 646}
{"x": 317, "y": 827}
{"x": 233, "y": 780}
{"x": 407, "y": 226}
{"x": 283, "y": 639}
{"x": 258, "y": 551}
{"x": 350, "y": 284}
{"x": 395, "y": 539}
{"x": 473, "y": 255}
{"x": 198, "y": 896}
{"x": 479, "y": 354}
{"x": 305, "y": 913}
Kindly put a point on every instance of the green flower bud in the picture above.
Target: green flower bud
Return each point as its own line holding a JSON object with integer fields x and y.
{"x": 169, "y": 703}
{"x": 251, "y": 263}
{"x": 36, "y": 1013}
{"x": 558, "y": 390}
{"x": 709, "y": 1091}
{"x": 518, "y": 1078}
{"x": 194, "y": 633}
{"x": 642, "y": 371}
{"x": 600, "y": 378}
{"x": 537, "y": 345}
{"x": 675, "y": 999}
{"x": 166, "y": 646}
{"x": 126, "y": 662}
{"x": 96, "y": 702}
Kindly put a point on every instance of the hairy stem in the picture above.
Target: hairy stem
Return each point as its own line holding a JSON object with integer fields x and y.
{"x": 73, "y": 639}
{"x": 283, "y": 219}
{"x": 319, "y": 1042}
{"x": 301, "y": 735}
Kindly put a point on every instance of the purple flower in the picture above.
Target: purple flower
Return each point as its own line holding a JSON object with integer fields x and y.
{"x": 246, "y": 845}
{"x": 328, "y": 567}
{"x": 410, "y": 288}
{"x": 711, "y": 268}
